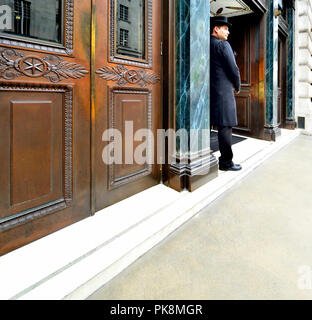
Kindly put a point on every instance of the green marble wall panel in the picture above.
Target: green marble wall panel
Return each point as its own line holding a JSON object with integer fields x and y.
{"x": 192, "y": 70}
{"x": 290, "y": 64}
{"x": 272, "y": 65}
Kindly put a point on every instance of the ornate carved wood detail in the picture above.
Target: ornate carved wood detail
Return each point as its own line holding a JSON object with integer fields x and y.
{"x": 68, "y": 147}
{"x": 13, "y": 64}
{"x": 69, "y": 27}
{"x": 19, "y": 218}
{"x": 149, "y": 38}
{"x": 244, "y": 111}
{"x": 67, "y": 48}
{"x": 114, "y": 181}
{"x": 123, "y": 76}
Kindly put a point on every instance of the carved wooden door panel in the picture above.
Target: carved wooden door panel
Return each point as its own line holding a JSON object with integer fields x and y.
{"x": 44, "y": 119}
{"x": 127, "y": 98}
{"x": 244, "y": 38}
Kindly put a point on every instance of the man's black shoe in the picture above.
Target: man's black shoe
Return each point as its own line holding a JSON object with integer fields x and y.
{"x": 234, "y": 167}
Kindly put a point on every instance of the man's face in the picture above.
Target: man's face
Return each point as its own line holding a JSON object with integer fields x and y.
{"x": 222, "y": 32}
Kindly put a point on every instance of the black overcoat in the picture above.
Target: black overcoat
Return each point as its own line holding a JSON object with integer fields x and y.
{"x": 224, "y": 76}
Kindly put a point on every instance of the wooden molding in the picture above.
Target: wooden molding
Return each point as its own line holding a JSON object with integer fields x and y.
{"x": 114, "y": 181}
{"x": 60, "y": 204}
{"x": 122, "y": 76}
{"x": 14, "y": 64}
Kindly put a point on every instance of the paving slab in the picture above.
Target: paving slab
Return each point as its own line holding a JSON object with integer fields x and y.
{"x": 253, "y": 242}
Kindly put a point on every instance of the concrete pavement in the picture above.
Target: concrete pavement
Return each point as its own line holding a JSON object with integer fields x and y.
{"x": 251, "y": 243}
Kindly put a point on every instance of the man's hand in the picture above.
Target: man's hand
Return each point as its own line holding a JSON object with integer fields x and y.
{"x": 236, "y": 92}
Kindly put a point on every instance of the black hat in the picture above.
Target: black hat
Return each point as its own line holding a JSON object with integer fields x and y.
{"x": 219, "y": 21}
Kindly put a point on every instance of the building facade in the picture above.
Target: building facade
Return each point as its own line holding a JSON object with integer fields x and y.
{"x": 103, "y": 99}
{"x": 304, "y": 65}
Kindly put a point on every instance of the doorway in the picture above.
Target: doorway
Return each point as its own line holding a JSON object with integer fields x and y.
{"x": 282, "y": 80}
{"x": 244, "y": 39}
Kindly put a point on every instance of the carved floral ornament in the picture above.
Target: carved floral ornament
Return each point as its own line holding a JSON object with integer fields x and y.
{"x": 13, "y": 64}
{"x": 123, "y": 76}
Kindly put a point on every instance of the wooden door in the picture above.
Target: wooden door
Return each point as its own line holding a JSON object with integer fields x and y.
{"x": 244, "y": 39}
{"x": 44, "y": 119}
{"x": 282, "y": 75}
{"x": 69, "y": 71}
{"x": 127, "y": 98}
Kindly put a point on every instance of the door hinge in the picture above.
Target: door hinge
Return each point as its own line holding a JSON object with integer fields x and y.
{"x": 161, "y": 48}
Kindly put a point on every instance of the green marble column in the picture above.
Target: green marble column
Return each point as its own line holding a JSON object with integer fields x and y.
{"x": 271, "y": 129}
{"x": 194, "y": 163}
{"x": 290, "y": 112}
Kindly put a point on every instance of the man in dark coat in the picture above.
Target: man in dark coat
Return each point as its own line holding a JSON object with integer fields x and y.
{"x": 224, "y": 79}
